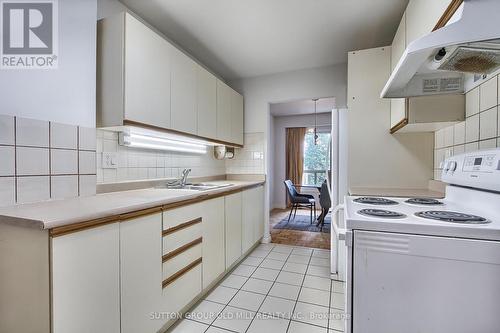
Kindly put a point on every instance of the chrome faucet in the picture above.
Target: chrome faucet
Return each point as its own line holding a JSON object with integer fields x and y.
{"x": 180, "y": 183}
{"x": 184, "y": 176}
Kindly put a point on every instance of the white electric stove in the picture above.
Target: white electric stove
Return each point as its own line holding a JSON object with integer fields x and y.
{"x": 427, "y": 265}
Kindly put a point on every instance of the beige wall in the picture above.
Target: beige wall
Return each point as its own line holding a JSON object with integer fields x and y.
{"x": 378, "y": 159}
{"x": 480, "y": 130}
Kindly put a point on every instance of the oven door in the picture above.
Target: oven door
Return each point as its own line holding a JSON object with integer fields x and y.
{"x": 413, "y": 284}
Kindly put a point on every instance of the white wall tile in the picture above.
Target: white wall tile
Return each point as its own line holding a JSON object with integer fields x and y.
{"x": 7, "y": 191}
{"x": 32, "y": 189}
{"x": 87, "y": 185}
{"x": 32, "y": 132}
{"x": 87, "y": 162}
{"x": 472, "y": 102}
{"x": 459, "y": 133}
{"x": 7, "y": 135}
{"x": 64, "y": 187}
{"x": 460, "y": 149}
{"x": 488, "y": 94}
{"x": 471, "y": 147}
{"x": 63, "y": 136}
{"x": 488, "y": 144}
{"x": 472, "y": 128}
{"x": 437, "y": 174}
{"x": 109, "y": 146}
{"x": 439, "y": 139}
{"x": 448, "y": 136}
{"x": 32, "y": 161}
{"x": 87, "y": 138}
{"x": 7, "y": 161}
{"x": 64, "y": 162}
{"x": 488, "y": 124}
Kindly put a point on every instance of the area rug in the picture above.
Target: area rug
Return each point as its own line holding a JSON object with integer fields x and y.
{"x": 303, "y": 223}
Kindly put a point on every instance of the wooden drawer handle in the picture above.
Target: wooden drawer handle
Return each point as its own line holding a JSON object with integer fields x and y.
{"x": 181, "y": 226}
{"x": 181, "y": 249}
{"x": 180, "y": 273}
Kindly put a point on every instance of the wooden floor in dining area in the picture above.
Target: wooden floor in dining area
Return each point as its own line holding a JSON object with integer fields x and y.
{"x": 318, "y": 240}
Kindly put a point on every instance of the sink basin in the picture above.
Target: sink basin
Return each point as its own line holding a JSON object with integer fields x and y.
{"x": 198, "y": 186}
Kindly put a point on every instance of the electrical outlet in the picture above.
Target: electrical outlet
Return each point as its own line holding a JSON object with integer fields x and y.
{"x": 258, "y": 155}
{"x": 109, "y": 160}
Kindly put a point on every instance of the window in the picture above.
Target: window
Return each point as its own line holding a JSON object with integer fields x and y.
{"x": 316, "y": 158}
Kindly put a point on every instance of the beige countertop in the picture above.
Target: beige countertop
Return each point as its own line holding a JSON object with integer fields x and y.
{"x": 395, "y": 192}
{"x": 57, "y": 213}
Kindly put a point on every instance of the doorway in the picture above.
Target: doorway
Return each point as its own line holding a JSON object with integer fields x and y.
{"x": 315, "y": 167}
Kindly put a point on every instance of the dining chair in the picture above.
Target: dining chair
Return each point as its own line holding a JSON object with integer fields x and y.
{"x": 300, "y": 200}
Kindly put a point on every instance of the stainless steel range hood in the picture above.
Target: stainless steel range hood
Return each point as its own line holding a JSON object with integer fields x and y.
{"x": 436, "y": 63}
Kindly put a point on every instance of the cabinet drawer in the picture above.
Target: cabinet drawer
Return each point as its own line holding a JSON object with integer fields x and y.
{"x": 183, "y": 290}
{"x": 181, "y": 237}
{"x": 174, "y": 264}
{"x": 175, "y": 217}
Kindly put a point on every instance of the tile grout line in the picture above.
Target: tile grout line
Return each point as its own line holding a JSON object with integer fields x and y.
{"x": 300, "y": 291}
{"x": 248, "y": 277}
{"x": 274, "y": 282}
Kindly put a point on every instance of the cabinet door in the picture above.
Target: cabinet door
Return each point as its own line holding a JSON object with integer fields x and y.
{"x": 236, "y": 117}
{"x": 398, "y": 43}
{"x": 141, "y": 273}
{"x": 422, "y": 16}
{"x": 86, "y": 281}
{"x": 147, "y": 75}
{"x": 213, "y": 240}
{"x": 223, "y": 112}
{"x": 398, "y": 110}
{"x": 184, "y": 115}
{"x": 258, "y": 199}
{"x": 233, "y": 228}
{"x": 206, "y": 103}
{"x": 253, "y": 217}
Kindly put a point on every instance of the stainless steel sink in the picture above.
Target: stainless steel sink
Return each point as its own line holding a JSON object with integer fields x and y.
{"x": 197, "y": 186}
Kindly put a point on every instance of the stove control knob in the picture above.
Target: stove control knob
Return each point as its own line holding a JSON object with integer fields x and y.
{"x": 453, "y": 166}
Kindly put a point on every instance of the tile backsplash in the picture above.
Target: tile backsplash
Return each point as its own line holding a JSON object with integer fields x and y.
{"x": 480, "y": 130}
{"x": 250, "y": 159}
{"x": 141, "y": 164}
{"x": 43, "y": 160}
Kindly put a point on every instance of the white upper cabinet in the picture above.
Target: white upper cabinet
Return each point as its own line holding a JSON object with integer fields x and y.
{"x": 183, "y": 80}
{"x": 223, "y": 112}
{"x": 133, "y": 74}
{"x": 236, "y": 118}
{"x": 147, "y": 75}
{"x": 399, "y": 42}
{"x": 142, "y": 78}
{"x": 422, "y": 16}
{"x": 206, "y": 103}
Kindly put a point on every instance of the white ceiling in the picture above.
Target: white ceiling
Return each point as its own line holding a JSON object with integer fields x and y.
{"x": 238, "y": 38}
{"x": 302, "y": 107}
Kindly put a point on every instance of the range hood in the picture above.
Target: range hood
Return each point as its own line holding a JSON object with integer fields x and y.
{"x": 437, "y": 63}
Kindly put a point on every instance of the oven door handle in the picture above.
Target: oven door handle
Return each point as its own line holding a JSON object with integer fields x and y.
{"x": 337, "y": 234}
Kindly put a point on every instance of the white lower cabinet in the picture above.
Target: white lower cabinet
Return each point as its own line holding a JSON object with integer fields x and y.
{"x": 141, "y": 274}
{"x": 213, "y": 240}
{"x": 253, "y": 217}
{"x": 86, "y": 281}
{"x": 137, "y": 274}
{"x": 233, "y": 210}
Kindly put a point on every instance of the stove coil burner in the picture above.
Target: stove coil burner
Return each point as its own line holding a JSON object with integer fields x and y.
{"x": 453, "y": 217}
{"x": 424, "y": 201}
{"x": 382, "y": 213}
{"x": 375, "y": 201}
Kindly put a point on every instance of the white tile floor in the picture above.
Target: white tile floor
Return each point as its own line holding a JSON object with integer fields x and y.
{"x": 276, "y": 289}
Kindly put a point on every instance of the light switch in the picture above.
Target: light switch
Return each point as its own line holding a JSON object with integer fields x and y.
{"x": 109, "y": 160}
